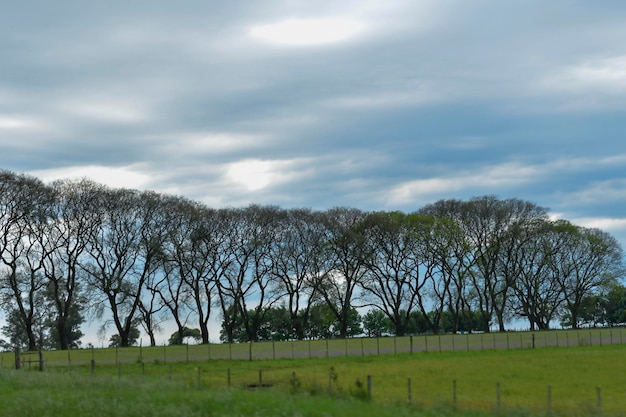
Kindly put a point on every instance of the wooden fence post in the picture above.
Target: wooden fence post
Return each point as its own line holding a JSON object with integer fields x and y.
{"x": 18, "y": 360}
{"x": 93, "y": 361}
{"x": 40, "y": 356}
{"x": 369, "y": 387}
{"x": 228, "y": 377}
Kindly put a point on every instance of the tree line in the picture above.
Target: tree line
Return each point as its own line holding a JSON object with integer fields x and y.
{"x": 135, "y": 259}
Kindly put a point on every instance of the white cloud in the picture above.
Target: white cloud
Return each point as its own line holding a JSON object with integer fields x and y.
{"x": 107, "y": 109}
{"x": 608, "y": 224}
{"x": 607, "y": 74}
{"x": 199, "y": 143}
{"x": 8, "y": 122}
{"x": 255, "y": 174}
{"x": 507, "y": 175}
{"x": 303, "y": 32}
{"x": 120, "y": 177}
{"x": 592, "y": 84}
{"x": 613, "y": 190}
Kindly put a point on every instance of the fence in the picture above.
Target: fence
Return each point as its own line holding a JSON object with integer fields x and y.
{"x": 325, "y": 348}
{"x": 241, "y": 372}
{"x": 415, "y": 392}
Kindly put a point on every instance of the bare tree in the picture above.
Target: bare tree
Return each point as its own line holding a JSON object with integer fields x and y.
{"x": 396, "y": 271}
{"x": 75, "y": 214}
{"x": 124, "y": 254}
{"x": 23, "y": 209}
{"x": 345, "y": 254}
{"x": 248, "y": 280}
{"x": 530, "y": 252}
{"x": 589, "y": 260}
{"x": 297, "y": 262}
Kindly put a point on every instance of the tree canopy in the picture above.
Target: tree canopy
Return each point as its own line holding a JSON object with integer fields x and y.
{"x": 135, "y": 259}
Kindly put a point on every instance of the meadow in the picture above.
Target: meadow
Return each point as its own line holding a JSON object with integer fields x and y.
{"x": 586, "y": 378}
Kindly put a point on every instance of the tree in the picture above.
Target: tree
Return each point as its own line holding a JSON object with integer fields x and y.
{"x": 376, "y": 323}
{"x": 323, "y": 323}
{"x": 71, "y": 333}
{"x": 297, "y": 261}
{"x": 396, "y": 271}
{"x": 485, "y": 222}
{"x": 131, "y": 338}
{"x": 448, "y": 249}
{"x": 614, "y": 303}
{"x": 248, "y": 277}
{"x": 178, "y": 338}
{"x": 23, "y": 208}
{"x": 590, "y": 261}
{"x": 75, "y": 215}
{"x": 125, "y": 253}
{"x": 530, "y": 252}
{"x": 345, "y": 254}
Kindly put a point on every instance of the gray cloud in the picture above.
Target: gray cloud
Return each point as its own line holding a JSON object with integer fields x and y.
{"x": 417, "y": 101}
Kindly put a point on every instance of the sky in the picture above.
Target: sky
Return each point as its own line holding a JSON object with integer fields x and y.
{"x": 378, "y": 105}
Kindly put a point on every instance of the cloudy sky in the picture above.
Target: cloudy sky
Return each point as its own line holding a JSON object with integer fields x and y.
{"x": 371, "y": 104}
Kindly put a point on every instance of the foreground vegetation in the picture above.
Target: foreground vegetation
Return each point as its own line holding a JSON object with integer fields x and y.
{"x": 584, "y": 380}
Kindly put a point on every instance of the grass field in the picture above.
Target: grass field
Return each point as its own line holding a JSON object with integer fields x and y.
{"x": 584, "y": 379}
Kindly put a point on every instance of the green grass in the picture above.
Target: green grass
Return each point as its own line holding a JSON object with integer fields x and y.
{"x": 29, "y": 394}
{"x": 162, "y": 382}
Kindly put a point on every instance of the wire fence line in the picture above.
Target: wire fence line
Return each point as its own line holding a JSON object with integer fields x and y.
{"x": 548, "y": 400}
{"x": 166, "y": 361}
{"x": 322, "y": 348}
